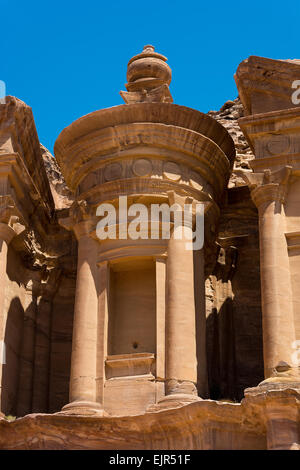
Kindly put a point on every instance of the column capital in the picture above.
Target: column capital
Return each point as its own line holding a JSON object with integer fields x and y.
{"x": 10, "y": 219}
{"x": 103, "y": 264}
{"x": 179, "y": 200}
{"x": 81, "y": 219}
{"x": 162, "y": 257}
{"x": 6, "y": 233}
{"x": 268, "y": 186}
{"x": 187, "y": 208}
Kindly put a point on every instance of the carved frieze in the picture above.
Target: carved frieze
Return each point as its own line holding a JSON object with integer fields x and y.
{"x": 172, "y": 171}
{"x": 273, "y": 138}
{"x": 113, "y": 171}
{"x": 142, "y": 167}
{"x": 155, "y": 169}
{"x": 278, "y": 144}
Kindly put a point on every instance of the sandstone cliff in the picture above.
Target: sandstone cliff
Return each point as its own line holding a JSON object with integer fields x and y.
{"x": 61, "y": 194}
{"x": 228, "y": 116}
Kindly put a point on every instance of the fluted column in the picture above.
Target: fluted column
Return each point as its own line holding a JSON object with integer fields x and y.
{"x": 6, "y": 235}
{"x": 276, "y": 290}
{"x": 83, "y": 391}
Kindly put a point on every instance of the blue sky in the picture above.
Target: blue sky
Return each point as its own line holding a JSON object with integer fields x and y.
{"x": 67, "y": 58}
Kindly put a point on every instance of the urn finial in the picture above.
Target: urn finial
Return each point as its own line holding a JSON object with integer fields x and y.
{"x": 148, "y": 78}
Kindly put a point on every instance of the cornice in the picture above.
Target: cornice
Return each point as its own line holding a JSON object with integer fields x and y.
{"x": 266, "y": 84}
{"x": 265, "y": 127}
{"x": 115, "y": 144}
{"x": 159, "y": 146}
{"x": 160, "y": 113}
{"x": 18, "y": 127}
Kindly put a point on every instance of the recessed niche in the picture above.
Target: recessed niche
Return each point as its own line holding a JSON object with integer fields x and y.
{"x": 132, "y": 308}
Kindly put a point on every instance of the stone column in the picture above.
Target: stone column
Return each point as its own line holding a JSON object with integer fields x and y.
{"x": 200, "y": 305}
{"x": 83, "y": 390}
{"x": 103, "y": 301}
{"x": 25, "y": 392}
{"x": 6, "y": 235}
{"x": 277, "y": 306}
{"x": 160, "y": 271}
{"x": 181, "y": 356}
{"x": 40, "y": 396}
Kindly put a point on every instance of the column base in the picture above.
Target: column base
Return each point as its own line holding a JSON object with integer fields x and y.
{"x": 175, "y": 400}
{"x": 282, "y": 381}
{"x": 83, "y": 408}
{"x": 273, "y": 384}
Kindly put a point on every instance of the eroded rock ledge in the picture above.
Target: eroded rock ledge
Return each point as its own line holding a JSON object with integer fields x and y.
{"x": 205, "y": 425}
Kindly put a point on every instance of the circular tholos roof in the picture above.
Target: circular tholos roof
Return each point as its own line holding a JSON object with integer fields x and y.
{"x": 162, "y": 113}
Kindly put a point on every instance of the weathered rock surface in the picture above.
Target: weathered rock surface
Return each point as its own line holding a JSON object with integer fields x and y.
{"x": 203, "y": 425}
{"x": 233, "y": 301}
{"x": 228, "y": 116}
{"x": 266, "y": 85}
{"x": 61, "y": 194}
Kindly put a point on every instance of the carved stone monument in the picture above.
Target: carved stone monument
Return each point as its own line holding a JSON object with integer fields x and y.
{"x": 128, "y": 339}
